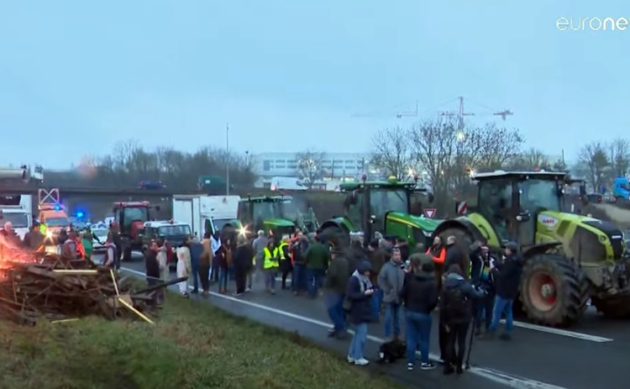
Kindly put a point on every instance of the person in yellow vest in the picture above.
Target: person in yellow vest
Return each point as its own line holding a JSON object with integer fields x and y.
{"x": 271, "y": 262}
{"x": 285, "y": 260}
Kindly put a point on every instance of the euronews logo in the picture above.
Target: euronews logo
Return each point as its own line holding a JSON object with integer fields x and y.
{"x": 592, "y": 24}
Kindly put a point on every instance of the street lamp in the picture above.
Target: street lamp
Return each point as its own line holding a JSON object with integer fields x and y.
{"x": 461, "y": 136}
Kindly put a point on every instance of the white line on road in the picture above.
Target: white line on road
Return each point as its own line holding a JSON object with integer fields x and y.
{"x": 502, "y": 378}
{"x": 555, "y": 331}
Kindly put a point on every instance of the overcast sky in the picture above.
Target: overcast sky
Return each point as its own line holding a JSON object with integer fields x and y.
{"x": 78, "y": 76}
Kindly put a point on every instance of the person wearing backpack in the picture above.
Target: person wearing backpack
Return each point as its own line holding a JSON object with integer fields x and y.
{"x": 455, "y": 315}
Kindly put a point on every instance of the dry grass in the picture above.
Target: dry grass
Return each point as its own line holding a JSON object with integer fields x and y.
{"x": 193, "y": 345}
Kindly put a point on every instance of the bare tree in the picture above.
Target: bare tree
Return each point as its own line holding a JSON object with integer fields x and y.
{"x": 594, "y": 158}
{"x": 310, "y": 166}
{"x": 530, "y": 159}
{"x": 497, "y": 146}
{"x": 619, "y": 157}
{"x": 391, "y": 152}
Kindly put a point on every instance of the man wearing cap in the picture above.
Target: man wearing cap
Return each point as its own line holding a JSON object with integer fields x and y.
{"x": 508, "y": 277}
{"x": 390, "y": 280}
{"x": 335, "y": 287}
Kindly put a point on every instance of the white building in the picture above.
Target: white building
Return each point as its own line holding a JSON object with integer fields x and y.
{"x": 334, "y": 165}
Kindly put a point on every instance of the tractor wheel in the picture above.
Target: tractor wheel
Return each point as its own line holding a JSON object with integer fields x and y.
{"x": 613, "y": 307}
{"x": 336, "y": 236}
{"x": 554, "y": 291}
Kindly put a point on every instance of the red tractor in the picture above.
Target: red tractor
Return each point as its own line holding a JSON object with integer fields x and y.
{"x": 130, "y": 217}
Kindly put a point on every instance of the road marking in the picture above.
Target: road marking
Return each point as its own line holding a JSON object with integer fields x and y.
{"x": 554, "y": 331}
{"x": 502, "y": 378}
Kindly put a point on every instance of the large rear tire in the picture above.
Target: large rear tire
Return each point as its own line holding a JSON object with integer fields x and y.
{"x": 554, "y": 290}
{"x": 335, "y": 236}
{"x": 463, "y": 240}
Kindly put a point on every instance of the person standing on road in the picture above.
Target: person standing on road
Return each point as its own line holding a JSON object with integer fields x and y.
{"x": 224, "y": 262}
{"x": 455, "y": 256}
{"x": 419, "y": 295}
{"x": 377, "y": 259}
{"x": 298, "y": 251}
{"x": 152, "y": 267}
{"x": 204, "y": 264}
{"x": 456, "y": 313}
{"x": 317, "y": 257}
{"x": 391, "y": 279}
{"x": 259, "y": 245}
{"x": 162, "y": 257}
{"x": 215, "y": 240}
{"x": 286, "y": 267}
{"x": 482, "y": 276}
{"x": 359, "y": 294}
{"x": 270, "y": 265}
{"x": 335, "y": 291}
{"x": 242, "y": 263}
{"x": 196, "y": 248}
{"x": 508, "y": 277}
{"x": 183, "y": 267}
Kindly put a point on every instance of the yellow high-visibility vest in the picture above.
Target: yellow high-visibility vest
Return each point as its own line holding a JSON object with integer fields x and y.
{"x": 270, "y": 261}
{"x": 281, "y": 250}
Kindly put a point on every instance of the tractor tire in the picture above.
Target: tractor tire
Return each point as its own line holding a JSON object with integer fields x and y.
{"x": 613, "y": 307}
{"x": 463, "y": 240}
{"x": 554, "y": 290}
{"x": 335, "y": 236}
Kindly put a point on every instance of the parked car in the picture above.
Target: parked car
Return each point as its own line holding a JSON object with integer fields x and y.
{"x": 101, "y": 234}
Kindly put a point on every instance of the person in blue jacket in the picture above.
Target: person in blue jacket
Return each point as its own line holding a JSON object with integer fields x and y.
{"x": 359, "y": 295}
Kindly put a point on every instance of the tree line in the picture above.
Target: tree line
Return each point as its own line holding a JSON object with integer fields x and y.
{"x": 129, "y": 163}
{"x": 601, "y": 162}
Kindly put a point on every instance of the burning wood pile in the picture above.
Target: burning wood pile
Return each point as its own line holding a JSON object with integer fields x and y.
{"x": 36, "y": 286}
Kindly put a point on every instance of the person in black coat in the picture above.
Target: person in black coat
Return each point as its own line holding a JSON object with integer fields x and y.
{"x": 482, "y": 276}
{"x": 152, "y": 267}
{"x": 455, "y": 255}
{"x": 359, "y": 297}
{"x": 242, "y": 264}
{"x": 419, "y": 295}
{"x": 508, "y": 277}
{"x": 456, "y": 313}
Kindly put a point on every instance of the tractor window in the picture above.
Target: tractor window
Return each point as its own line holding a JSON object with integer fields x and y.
{"x": 288, "y": 210}
{"x": 385, "y": 200}
{"x": 354, "y": 211}
{"x": 537, "y": 194}
{"x": 132, "y": 214}
{"x": 495, "y": 202}
{"x": 265, "y": 211}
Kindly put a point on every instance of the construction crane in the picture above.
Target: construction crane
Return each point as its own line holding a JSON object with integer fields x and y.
{"x": 460, "y": 113}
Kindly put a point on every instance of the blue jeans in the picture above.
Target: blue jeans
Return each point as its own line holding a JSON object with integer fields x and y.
{"x": 418, "y": 336}
{"x": 485, "y": 308}
{"x": 334, "y": 305}
{"x": 298, "y": 278}
{"x": 223, "y": 277}
{"x": 357, "y": 345}
{"x": 377, "y": 300}
{"x": 392, "y": 319}
{"x": 315, "y": 281}
{"x": 502, "y": 306}
{"x": 270, "y": 278}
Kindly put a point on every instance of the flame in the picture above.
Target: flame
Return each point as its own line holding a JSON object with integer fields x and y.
{"x": 11, "y": 253}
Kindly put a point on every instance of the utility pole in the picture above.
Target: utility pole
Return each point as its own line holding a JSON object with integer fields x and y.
{"x": 227, "y": 159}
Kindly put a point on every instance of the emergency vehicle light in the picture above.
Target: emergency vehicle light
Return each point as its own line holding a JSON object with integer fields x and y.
{"x": 79, "y": 214}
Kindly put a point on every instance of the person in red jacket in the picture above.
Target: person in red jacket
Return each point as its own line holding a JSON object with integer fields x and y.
{"x": 437, "y": 251}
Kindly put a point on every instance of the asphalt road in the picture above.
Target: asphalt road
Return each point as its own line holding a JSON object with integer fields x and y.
{"x": 593, "y": 354}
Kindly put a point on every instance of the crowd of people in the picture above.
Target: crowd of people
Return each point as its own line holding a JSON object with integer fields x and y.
{"x": 69, "y": 242}
{"x": 386, "y": 282}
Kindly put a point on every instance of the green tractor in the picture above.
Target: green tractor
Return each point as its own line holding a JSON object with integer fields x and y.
{"x": 279, "y": 215}
{"x": 379, "y": 206}
{"x": 569, "y": 258}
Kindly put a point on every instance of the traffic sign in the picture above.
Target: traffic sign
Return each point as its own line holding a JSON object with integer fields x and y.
{"x": 429, "y": 212}
{"x": 462, "y": 207}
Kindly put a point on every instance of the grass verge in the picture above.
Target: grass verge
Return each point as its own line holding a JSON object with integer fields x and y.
{"x": 193, "y": 345}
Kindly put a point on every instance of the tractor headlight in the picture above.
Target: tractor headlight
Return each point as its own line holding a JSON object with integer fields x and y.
{"x": 242, "y": 231}
{"x": 49, "y": 234}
